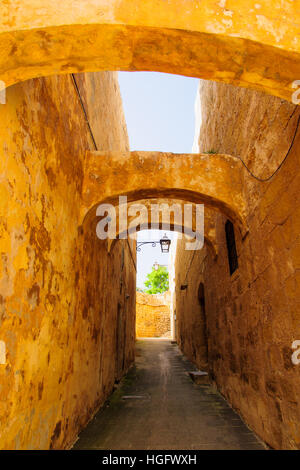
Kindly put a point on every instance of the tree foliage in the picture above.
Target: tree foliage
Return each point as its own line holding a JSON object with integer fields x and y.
{"x": 157, "y": 281}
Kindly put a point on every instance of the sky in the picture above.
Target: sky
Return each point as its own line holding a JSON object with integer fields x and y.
{"x": 159, "y": 111}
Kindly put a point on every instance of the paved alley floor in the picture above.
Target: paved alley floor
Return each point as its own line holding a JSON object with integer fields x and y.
{"x": 158, "y": 406}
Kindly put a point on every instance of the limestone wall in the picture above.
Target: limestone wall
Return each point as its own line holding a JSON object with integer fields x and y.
{"x": 190, "y": 318}
{"x": 66, "y": 339}
{"x": 152, "y": 315}
{"x": 253, "y": 316}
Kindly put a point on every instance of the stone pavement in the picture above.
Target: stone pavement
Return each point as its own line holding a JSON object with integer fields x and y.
{"x": 157, "y": 406}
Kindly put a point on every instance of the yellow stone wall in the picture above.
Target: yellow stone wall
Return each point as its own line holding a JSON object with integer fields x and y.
{"x": 152, "y": 315}
{"x": 59, "y": 326}
{"x": 216, "y": 180}
{"x": 190, "y": 321}
{"x": 253, "y": 316}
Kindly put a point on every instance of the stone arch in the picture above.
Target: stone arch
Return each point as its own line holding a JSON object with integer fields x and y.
{"x": 209, "y": 223}
{"x": 215, "y": 180}
{"x": 243, "y": 43}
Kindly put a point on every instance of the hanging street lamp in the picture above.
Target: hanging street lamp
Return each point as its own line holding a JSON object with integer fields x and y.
{"x": 164, "y": 242}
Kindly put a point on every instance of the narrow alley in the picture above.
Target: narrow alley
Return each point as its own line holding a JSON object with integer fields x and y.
{"x": 158, "y": 406}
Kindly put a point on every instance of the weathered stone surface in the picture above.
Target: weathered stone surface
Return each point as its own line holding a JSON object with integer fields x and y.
{"x": 252, "y": 316}
{"x": 258, "y": 128}
{"x": 66, "y": 341}
{"x": 191, "y": 327}
{"x": 216, "y": 180}
{"x": 152, "y": 315}
{"x": 242, "y": 42}
{"x": 168, "y": 219}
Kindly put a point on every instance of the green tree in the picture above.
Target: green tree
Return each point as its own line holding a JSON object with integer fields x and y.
{"x": 157, "y": 281}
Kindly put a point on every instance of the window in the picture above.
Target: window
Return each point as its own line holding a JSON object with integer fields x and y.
{"x": 201, "y": 297}
{"x": 231, "y": 247}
